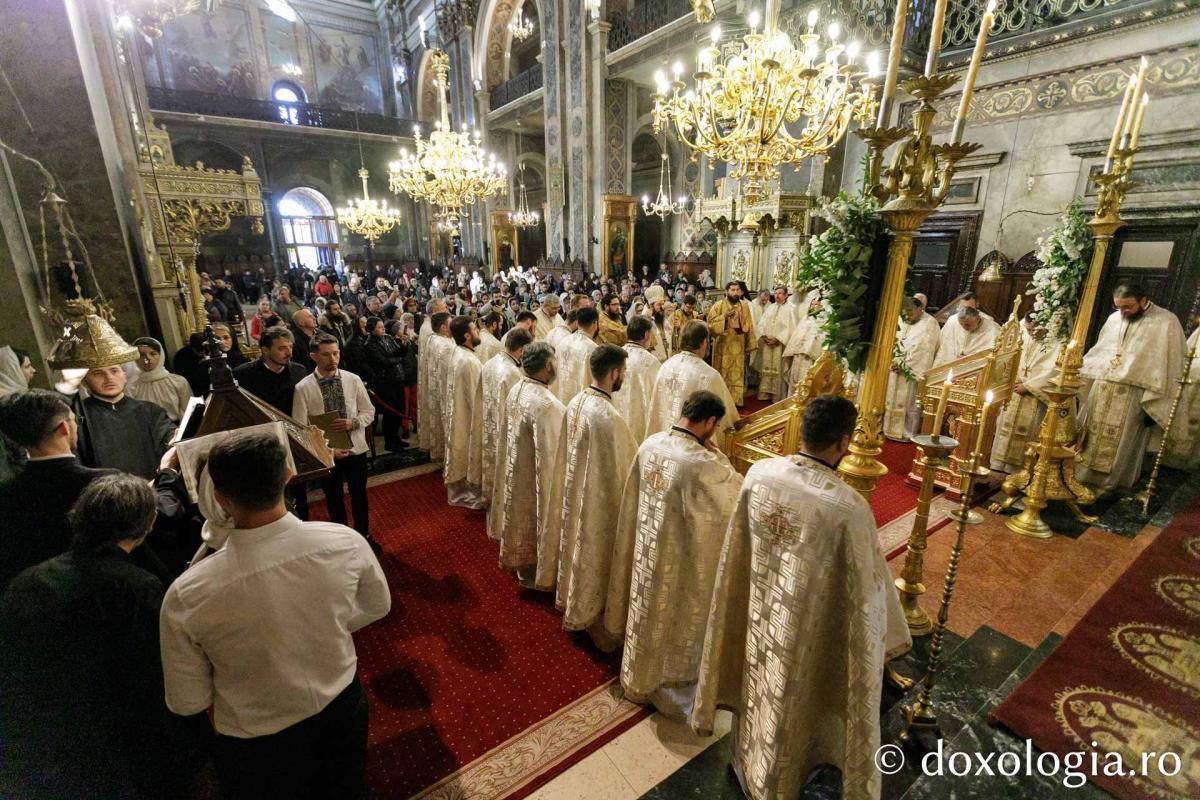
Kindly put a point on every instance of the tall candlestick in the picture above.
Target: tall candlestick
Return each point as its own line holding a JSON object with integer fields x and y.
{"x": 985, "y": 27}
{"x": 1116, "y": 134}
{"x": 935, "y": 38}
{"x": 941, "y": 406}
{"x": 1137, "y": 120}
{"x": 983, "y": 416}
{"x": 893, "y": 69}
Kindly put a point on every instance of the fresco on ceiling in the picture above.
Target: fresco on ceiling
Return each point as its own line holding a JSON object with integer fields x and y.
{"x": 206, "y": 53}
{"x": 347, "y": 70}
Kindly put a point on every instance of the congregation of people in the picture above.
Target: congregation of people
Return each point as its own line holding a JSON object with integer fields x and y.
{"x": 146, "y": 634}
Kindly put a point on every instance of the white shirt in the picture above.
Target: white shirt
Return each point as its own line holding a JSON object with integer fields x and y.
{"x": 307, "y": 402}
{"x": 261, "y": 628}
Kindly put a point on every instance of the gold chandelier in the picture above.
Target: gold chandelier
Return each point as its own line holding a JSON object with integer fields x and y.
{"x": 520, "y": 26}
{"x": 523, "y": 217}
{"x": 449, "y": 169}
{"x": 740, "y": 108}
{"x": 662, "y": 207}
{"x": 367, "y": 217}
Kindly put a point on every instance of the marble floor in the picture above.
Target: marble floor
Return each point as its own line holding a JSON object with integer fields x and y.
{"x": 1014, "y": 600}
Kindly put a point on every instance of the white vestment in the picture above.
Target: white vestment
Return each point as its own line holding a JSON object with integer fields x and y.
{"x": 776, "y": 322}
{"x": 558, "y": 334}
{"x": 804, "y": 618}
{"x": 488, "y": 346}
{"x": 804, "y": 347}
{"x": 594, "y": 454}
{"x": 1183, "y": 449}
{"x": 544, "y": 323}
{"x": 497, "y": 378}
{"x": 1021, "y": 418}
{"x": 1133, "y": 368}
{"x": 532, "y": 425}
{"x": 919, "y": 343}
{"x": 955, "y": 342}
{"x": 662, "y": 340}
{"x": 439, "y": 351}
{"x": 633, "y": 400}
{"x": 571, "y": 365}
{"x": 677, "y": 379}
{"x": 674, "y": 511}
{"x": 463, "y": 414}
{"x": 424, "y": 359}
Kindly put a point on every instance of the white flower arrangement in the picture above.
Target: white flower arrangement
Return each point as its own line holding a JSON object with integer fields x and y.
{"x": 1064, "y": 253}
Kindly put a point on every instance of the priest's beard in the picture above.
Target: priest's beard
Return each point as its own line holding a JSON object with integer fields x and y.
{"x": 617, "y": 384}
{"x": 1141, "y": 312}
{"x": 733, "y": 299}
{"x": 658, "y": 318}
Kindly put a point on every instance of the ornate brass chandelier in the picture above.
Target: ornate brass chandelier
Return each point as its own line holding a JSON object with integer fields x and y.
{"x": 449, "y": 169}
{"x": 742, "y": 106}
{"x": 523, "y": 217}
{"x": 366, "y": 216}
{"x": 662, "y": 207}
{"x": 520, "y": 26}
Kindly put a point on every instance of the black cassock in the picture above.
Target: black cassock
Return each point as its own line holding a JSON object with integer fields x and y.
{"x": 130, "y": 435}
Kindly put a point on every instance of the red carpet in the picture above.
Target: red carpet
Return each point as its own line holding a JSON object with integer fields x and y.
{"x": 465, "y": 661}
{"x": 1125, "y": 679}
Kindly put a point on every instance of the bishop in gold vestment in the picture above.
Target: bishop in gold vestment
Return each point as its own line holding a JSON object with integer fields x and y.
{"x": 804, "y": 617}
{"x": 732, "y": 327}
{"x": 674, "y": 511}
{"x": 1021, "y": 418}
{"x": 1133, "y": 367}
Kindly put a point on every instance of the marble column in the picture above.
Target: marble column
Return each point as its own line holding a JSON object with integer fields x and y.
{"x": 553, "y": 81}
{"x": 595, "y": 169}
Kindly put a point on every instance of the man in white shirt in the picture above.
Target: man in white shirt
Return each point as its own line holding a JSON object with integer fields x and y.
{"x": 330, "y": 389}
{"x": 261, "y": 632}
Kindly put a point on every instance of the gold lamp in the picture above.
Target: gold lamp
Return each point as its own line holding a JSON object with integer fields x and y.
{"x": 366, "y": 216}
{"x": 741, "y": 107}
{"x": 88, "y": 341}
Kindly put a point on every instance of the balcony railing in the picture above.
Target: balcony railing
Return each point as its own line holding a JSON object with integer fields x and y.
{"x": 517, "y": 86}
{"x": 299, "y": 114}
{"x": 644, "y": 18}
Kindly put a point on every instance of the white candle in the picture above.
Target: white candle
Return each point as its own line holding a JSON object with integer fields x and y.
{"x": 893, "y": 70}
{"x": 1137, "y": 120}
{"x": 935, "y": 38}
{"x": 1126, "y": 101}
{"x": 985, "y": 27}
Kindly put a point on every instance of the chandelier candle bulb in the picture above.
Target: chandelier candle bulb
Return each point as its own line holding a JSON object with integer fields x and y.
{"x": 985, "y": 27}
{"x": 935, "y": 38}
{"x": 941, "y": 406}
{"x": 893, "y": 69}
{"x": 1137, "y": 120}
{"x": 812, "y": 20}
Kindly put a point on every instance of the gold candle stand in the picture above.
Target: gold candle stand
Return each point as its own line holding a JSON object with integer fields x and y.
{"x": 934, "y": 450}
{"x": 1145, "y": 494}
{"x": 911, "y": 187}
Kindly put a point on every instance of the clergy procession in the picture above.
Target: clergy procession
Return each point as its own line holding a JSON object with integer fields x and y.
{"x": 599, "y": 400}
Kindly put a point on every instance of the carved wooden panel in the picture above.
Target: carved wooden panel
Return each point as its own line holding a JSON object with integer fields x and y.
{"x": 941, "y": 264}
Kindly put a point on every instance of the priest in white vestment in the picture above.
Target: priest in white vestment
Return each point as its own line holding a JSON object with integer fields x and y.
{"x": 674, "y": 511}
{"x": 571, "y": 358}
{"x": 439, "y": 350}
{"x": 424, "y": 359}
{"x": 804, "y": 617}
{"x": 1133, "y": 369}
{"x": 806, "y": 344}
{"x": 916, "y": 349}
{"x": 1019, "y": 422}
{"x": 547, "y": 316}
{"x": 594, "y": 454}
{"x": 526, "y": 516}
{"x": 490, "y": 325}
{"x": 463, "y": 414}
{"x": 966, "y": 333}
{"x": 683, "y": 374}
{"x": 774, "y": 328}
{"x": 559, "y": 333}
{"x": 641, "y": 372}
{"x": 1183, "y": 449}
{"x": 497, "y": 378}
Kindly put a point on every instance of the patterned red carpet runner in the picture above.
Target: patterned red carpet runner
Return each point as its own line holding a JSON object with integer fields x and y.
{"x": 1126, "y": 680}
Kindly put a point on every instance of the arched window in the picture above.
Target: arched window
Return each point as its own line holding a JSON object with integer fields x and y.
{"x": 287, "y": 95}
{"x": 309, "y": 228}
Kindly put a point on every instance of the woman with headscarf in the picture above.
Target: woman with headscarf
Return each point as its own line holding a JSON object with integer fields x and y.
{"x": 387, "y": 364}
{"x": 264, "y": 317}
{"x": 154, "y": 384}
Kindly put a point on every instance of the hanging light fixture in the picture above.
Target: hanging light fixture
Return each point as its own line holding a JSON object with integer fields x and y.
{"x": 520, "y": 26}
{"x": 740, "y": 108}
{"x": 367, "y": 217}
{"x": 662, "y": 207}
{"x": 523, "y": 217}
{"x": 450, "y": 169}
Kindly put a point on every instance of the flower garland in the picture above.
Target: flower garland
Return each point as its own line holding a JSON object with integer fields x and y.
{"x": 837, "y": 263}
{"x": 1064, "y": 253}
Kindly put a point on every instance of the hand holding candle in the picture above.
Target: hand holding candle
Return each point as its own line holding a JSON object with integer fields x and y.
{"x": 941, "y": 406}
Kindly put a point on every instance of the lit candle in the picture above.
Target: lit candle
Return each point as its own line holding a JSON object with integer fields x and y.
{"x": 941, "y": 406}
{"x": 1138, "y": 85}
{"x": 1137, "y": 120}
{"x": 985, "y": 27}
{"x": 935, "y": 38}
{"x": 893, "y": 70}
{"x": 1126, "y": 101}
{"x": 983, "y": 415}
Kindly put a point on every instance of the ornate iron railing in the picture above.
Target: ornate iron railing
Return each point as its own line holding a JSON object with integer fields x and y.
{"x": 644, "y": 18}
{"x": 517, "y": 86}
{"x": 300, "y": 114}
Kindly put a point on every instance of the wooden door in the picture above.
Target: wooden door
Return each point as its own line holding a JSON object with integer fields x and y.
{"x": 943, "y": 255}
